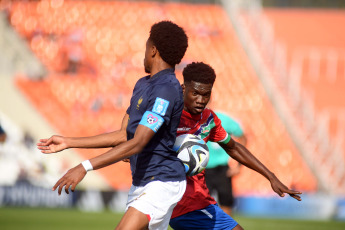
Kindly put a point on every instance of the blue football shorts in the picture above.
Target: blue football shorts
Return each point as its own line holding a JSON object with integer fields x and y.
{"x": 211, "y": 217}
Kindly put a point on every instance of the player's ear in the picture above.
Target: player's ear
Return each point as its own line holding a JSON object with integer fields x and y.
{"x": 154, "y": 51}
{"x": 183, "y": 87}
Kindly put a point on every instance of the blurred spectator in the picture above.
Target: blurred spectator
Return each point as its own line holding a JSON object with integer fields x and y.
{"x": 97, "y": 104}
{"x": 28, "y": 140}
{"x": 2, "y": 135}
{"x": 73, "y": 48}
{"x": 218, "y": 173}
{"x": 20, "y": 160}
{"x": 5, "y": 9}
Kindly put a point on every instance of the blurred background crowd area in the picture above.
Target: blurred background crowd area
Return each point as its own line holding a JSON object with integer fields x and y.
{"x": 69, "y": 67}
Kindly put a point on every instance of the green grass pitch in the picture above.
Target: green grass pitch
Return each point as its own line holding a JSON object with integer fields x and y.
{"x": 72, "y": 219}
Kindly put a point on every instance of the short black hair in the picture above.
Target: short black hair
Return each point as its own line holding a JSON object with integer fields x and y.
{"x": 170, "y": 40}
{"x": 199, "y": 72}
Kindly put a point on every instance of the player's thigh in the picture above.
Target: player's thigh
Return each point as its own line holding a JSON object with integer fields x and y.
{"x": 133, "y": 220}
{"x": 156, "y": 200}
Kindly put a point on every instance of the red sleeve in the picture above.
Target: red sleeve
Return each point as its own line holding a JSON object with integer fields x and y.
{"x": 218, "y": 133}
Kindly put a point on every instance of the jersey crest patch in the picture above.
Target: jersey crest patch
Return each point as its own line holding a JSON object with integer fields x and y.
{"x": 139, "y": 102}
{"x": 206, "y": 130}
{"x": 160, "y": 106}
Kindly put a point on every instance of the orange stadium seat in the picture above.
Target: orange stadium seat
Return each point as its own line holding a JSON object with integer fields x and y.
{"x": 111, "y": 38}
{"x": 314, "y": 45}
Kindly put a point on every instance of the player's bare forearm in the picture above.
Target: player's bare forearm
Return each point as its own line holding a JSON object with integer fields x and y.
{"x": 243, "y": 156}
{"x": 58, "y": 143}
{"x": 141, "y": 138}
{"x": 104, "y": 140}
{"x": 116, "y": 154}
{"x": 76, "y": 174}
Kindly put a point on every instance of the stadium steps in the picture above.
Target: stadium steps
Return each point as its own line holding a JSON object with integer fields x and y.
{"x": 15, "y": 56}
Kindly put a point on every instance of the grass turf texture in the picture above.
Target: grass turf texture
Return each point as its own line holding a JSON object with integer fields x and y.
{"x": 32, "y": 218}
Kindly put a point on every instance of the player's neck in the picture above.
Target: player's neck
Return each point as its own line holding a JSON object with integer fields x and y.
{"x": 159, "y": 66}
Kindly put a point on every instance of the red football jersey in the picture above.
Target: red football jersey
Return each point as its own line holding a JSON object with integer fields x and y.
{"x": 208, "y": 127}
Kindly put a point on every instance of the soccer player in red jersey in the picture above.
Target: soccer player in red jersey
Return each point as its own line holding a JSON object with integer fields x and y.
{"x": 197, "y": 209}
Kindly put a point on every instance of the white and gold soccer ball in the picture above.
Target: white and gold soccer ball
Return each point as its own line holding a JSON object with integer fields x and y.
{"x": 193, "y": 152}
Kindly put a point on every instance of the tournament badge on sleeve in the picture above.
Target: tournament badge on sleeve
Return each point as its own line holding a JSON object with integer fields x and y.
{"x": 160, "y": 106}
{"x": 152, "y": 120}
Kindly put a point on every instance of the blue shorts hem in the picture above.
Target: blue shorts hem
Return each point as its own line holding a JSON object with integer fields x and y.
{"x": 211, "y": 217}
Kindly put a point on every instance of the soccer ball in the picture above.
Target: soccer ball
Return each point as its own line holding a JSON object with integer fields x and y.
{"x": 193, "y": 152}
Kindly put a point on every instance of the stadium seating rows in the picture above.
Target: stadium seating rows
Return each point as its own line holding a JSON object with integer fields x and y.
{"x": 94, "y": 52}
{"x": 306, "y": 59}
{"x": 316, "y": 37}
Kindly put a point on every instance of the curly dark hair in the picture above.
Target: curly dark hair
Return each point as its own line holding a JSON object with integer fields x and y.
{"x": 199, "y": 72}
{"x": 171, "y": 41}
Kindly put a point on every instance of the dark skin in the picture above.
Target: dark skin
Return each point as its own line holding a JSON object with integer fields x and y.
{"x": 153, "y": 64}
{"x": 2, "y": 135}
{"x": 2, "y": 138}
{"x": 196, "y": 97}
{"x": 132, "y": 219}
{"x": 58, "y": 143}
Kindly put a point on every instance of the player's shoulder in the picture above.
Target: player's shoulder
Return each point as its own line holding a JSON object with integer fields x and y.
{"x": 210, "y": 115}
{"x": 141, "y": 81}
{"x": 167, "y": 87}
{"x": 208, "y": 112}
{"x": 168, "y": 81}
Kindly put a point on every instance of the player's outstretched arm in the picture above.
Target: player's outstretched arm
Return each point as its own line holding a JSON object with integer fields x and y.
{"x": 57, "y": 143}
{"x": 73, "y": 176}
{"x": 242, "y": 155}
